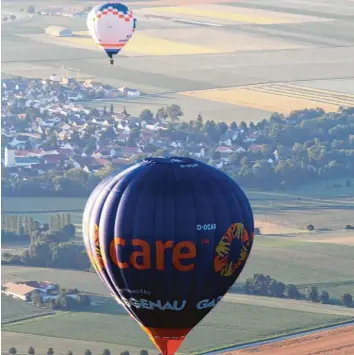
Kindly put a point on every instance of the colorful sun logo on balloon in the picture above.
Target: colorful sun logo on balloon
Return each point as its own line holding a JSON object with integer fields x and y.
{"x": 236, "y": 233}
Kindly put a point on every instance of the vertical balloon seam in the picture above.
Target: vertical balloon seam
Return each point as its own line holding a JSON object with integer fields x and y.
{"x": 209, "y": 281}
{"x": 97, "y": 209}
{"x": 129, "y": 185}
{"x": 219, "y": 182}
{"x": 175, "y": 235}
{"x": 172, "y": 203}
{"x": 107, "y": 257}
{"x": 106, "y": 254}
{"x": 124, "y": 176}
{"x": 144, "y": 185}
{"x": 87, "y": 218}
{"x": 249, "y": 219}
{"x": 233, "y": 200}
{"x": 194, "y": 284}
{"x": 251, "y": 232}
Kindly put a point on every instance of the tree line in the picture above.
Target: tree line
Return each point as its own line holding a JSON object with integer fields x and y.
{"x": 22, "y": 227}
{"x": 62, "y": 301}
{"x": 264, "y": 285}
{"x": 50, "y": 351}
{"x": 51, "y": 248}
{"x": 19, "y": 227}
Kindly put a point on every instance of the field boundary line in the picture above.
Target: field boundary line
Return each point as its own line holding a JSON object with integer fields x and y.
{"x": 278, "y": 338}
{"x": 5, "y": 322}
{"x": 40, "y": 212}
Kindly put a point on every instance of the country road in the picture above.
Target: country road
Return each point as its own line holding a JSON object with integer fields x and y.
{"x": 295, "y": 305}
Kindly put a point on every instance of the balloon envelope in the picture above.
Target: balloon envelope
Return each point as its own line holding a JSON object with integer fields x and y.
{"x": 169, "y": 237}
{"x": 111, "y": 25}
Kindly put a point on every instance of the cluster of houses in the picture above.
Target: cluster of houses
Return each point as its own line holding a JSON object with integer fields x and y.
{"x": 35, "y": 112}
{"x": 59, "y": 88}
{"x": 23, "y": 290}
{"x": 67, "y": 12}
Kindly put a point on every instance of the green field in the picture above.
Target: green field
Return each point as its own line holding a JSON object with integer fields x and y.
{"x": 325, "y": 208}
{"x": 228, "y": 324}
{"x": 286, "y": 259}
{"x": 41, "y": 204}
{"x": 13, "y": 310}
{"x": 284, "y": 255}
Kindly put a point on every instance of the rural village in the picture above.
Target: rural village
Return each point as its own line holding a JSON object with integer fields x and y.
{"x": 55, "y": 124}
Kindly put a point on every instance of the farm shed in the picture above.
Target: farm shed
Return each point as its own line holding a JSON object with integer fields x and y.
{"x": 57, "y": 31}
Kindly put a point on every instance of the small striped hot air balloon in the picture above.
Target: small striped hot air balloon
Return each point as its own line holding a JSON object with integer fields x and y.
{"x": 111, "y": 26}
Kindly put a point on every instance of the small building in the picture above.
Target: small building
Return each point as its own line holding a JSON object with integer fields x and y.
{"x": 57, "y": 31}
{"x": 9, "y": 158}
{"x": 20, "y": 291}
{"x": 129, "y": 92}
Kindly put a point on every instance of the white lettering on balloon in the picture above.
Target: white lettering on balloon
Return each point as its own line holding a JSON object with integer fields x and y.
{"x": 168, "y": 306}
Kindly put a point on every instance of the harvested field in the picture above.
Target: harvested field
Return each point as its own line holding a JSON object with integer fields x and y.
{"x": 331, "y": 342}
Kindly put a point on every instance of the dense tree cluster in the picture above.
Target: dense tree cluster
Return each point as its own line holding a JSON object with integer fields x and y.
{"x": 264, "y": 285}
{"x": 61, "y": 183}
{"x": 51, "y": 248}
{"x": 306, "y": 146}
{"x": 65, "y": 300}
{"x": 25, "y": 228}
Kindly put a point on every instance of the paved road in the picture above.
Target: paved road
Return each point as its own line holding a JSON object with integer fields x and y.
{"x": 290, "y": 304}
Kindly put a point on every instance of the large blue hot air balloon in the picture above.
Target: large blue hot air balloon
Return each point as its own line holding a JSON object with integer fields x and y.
{"x": 168, "y": 236}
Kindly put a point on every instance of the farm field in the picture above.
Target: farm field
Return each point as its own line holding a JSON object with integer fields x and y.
{"x": 290, "y": 209}
{"x": 13, "y": 310}
{"x": 227, "y": 60}
{"x": 290, "y": 261}
{"x": 61, "y": 345}
{"x": 220, "y": 328}
{"x": 329, "y": 342}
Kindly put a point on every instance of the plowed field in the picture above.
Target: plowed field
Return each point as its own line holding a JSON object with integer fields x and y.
{"x": 331, "y": 342}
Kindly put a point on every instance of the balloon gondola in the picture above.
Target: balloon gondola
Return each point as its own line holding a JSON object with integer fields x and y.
{"x": 168, "y": 236}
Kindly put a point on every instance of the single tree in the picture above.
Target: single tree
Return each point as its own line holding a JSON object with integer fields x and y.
{"x": 312, "y": 294}
{"x": 88, "y": 352}
{"x": 144, "y": 352}
{"x": 292, "y": 291}
{"x": 146, "y": 115}
{"x": 31, "y": 350}
{"x": 347, "y": 300}
{"x": 174, "y": 111}
{"x": 161, "y": 113}
{"x": 106, "y": 352}
{"x": 324, "y": 297}
{"x": 12, "y": 17}
{"x": 125, "y": 352}
{"x": 50, "y": 351}
{"x": 310, "y": 227}
{"x": 12, "y": 350}
{"x": 70, "y": 352}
